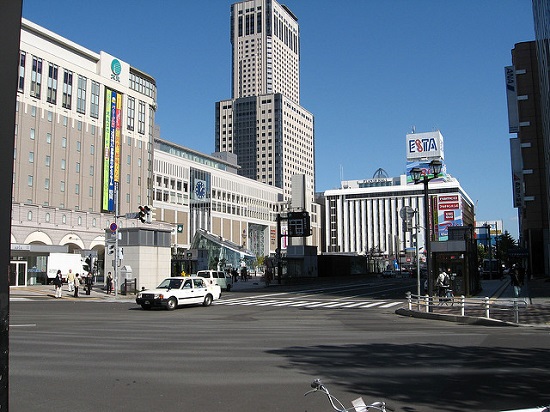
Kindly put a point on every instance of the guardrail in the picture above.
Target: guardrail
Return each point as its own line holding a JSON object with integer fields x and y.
{"x": 490, "y": 308}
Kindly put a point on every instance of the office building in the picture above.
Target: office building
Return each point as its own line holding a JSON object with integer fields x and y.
{"x": 263, "y": 122}
{"x": 529, "y": 169}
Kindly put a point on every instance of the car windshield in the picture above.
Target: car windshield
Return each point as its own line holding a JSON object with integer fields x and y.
{"x": 170, "y": 284}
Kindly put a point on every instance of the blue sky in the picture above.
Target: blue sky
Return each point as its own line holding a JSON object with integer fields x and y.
{"x": 370, "y": 71}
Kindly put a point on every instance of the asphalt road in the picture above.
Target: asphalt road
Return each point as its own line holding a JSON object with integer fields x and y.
{"x": 97, "y": 355}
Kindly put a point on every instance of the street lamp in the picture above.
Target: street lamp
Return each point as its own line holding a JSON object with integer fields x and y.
{"x": 419, "y": 177}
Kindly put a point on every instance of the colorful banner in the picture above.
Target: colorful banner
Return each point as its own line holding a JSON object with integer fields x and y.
{"x": 111, "y": 147}
{"x": 449, "y": 213}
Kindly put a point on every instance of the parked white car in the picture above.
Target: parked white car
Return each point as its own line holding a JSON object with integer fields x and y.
{"x": 175, "y": 291}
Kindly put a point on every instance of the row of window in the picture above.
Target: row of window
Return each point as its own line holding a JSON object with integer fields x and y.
{"x": 136, "y": 83}
{"x": 48, "y": 218}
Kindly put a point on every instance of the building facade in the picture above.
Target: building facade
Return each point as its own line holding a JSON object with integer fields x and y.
{"x": 83, "y": 145}
{"x": 365, "y": 216}
{"x": 529, "y": 168}
{"x": 263, "y": 122}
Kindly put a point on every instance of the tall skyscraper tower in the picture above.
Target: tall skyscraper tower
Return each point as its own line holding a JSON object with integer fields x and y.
{"x": 263, "y": 122}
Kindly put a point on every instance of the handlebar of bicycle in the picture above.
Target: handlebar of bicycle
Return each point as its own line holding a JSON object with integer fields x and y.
{"x": 318, "y": 386}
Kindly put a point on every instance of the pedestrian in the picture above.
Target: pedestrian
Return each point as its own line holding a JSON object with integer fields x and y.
{"x": 244, "y": 274}
{"x": 442, "y": 283}
{"x": 516, "y": 279}
{"x": 109, "y": 283}
{"x": 235, "y": 275}
{"x": 76, "y": 284}
{"x": 89, "y": 282}
{"x": 70, "y": 281}
{"x": 58, "y": 282}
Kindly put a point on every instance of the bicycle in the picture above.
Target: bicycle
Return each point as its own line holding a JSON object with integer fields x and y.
{"x": 448, "y": 298}
{"x": 358, "y": 404}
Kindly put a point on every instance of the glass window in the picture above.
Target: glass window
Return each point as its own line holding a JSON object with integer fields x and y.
{"x": 51, "y": 96}
{"x": 32, "y": 134}
{"x": 77, "y": 189}
{"x": 47, "y": 184}
{"x": 92, "y": 149}
{"x": 62, "y": 187}
{"x": 21, "y": 83}
{"x": 91, "y": 170}
{"x": 48, "y": 138}
{"x": 77, "y": 167}
{"x": 78, "y": 146}
{"x": 81, "y": 95}
{"x": 29, "y": 180}
{"x": 47, "y": 217}
{"x": 29, "y": 215}
{"x": 63, "y": 142}
{"x": 31, "y": 157}
{"x": 36, "y": 77}
{"x": 48, "y": 160}
{"x": 131, "y": 112}
{"x": 141, "y": 118}
{"x": 67, "y": 89}
{"x": 94, "y": 103}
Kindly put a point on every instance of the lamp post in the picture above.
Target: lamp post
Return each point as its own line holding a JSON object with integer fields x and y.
{"x": 419, "y": 177}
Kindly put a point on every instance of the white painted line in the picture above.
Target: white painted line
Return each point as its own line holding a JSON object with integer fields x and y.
{"x": 389, "y": 305}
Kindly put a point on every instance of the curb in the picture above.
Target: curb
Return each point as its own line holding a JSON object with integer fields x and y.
{"x": 466, "y": 320}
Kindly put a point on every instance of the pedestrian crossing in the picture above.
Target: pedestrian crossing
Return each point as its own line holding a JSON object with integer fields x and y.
{"x": 297, "y": 303}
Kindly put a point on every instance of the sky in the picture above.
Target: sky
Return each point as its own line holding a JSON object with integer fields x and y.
{"x": 370, "y": 72}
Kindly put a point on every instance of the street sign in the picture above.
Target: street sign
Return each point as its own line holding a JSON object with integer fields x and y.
{"x": 113, "y": 227}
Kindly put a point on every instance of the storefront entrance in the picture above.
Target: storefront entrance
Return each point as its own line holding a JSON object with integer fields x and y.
{"x": 18, "y": 273}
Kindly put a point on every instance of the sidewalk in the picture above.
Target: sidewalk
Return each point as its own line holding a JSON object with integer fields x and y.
{"x": 535, "y": 293}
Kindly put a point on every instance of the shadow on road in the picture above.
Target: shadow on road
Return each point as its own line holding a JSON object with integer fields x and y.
{"x": 447, "y": 378}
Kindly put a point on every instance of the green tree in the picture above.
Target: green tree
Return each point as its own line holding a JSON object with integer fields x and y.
{"x": 505, "y": 243}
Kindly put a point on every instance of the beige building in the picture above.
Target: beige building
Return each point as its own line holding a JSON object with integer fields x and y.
{"x": 263, "y": 122}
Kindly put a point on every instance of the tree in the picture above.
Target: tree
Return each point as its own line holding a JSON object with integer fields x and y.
{"x": 505, "y": 243}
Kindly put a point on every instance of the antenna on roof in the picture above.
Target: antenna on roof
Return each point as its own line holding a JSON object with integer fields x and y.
{"x": 413, "y": 129}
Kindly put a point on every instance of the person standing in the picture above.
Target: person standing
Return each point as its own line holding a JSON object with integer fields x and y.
{"x": 76, "y": 284}
{"x": 109, "y": 283}
{"x": 58, "y": 282}
{"x": 70, "y": 281}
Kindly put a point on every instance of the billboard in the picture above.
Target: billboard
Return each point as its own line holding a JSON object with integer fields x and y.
{"x": 111, "y": 147}
{"x": 517, "y": 172}
{"x": 448, "y": 213}
{"x": 425, "y": 166}
{"x": 512, "y": 98}
{"x": 427, "y": 145}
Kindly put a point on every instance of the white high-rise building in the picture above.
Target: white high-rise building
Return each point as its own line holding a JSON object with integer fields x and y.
{"x": 263, "y": 122}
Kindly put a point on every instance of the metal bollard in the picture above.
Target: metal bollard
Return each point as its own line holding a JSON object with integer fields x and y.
{"x": 487, "y": 307}
{"x": 462, "y": 305}
{"x": 516, "y": 311}
{"x": 427, "y": 303}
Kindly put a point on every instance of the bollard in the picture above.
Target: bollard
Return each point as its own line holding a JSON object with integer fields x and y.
{"x": 516, "y": 311}
{"x": 427, "y": 300}
{"x": 487, "y": 307}
{"x": 409, "y": 300}
{"x": 462, "y": 305}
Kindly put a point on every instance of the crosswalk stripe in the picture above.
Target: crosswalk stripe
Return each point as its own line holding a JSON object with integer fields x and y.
{"x": 389, "y": 305}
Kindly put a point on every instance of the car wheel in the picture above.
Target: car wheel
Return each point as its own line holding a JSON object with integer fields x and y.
{"x": 146, "y": 307}
{"x": 207, "y": 300}
{"x": 171, "y": 304}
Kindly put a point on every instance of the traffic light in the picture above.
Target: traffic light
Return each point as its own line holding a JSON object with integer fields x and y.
{"x": 142, "y": 214}
{"x": 110, "y": 249}
{"x": 149, "y": 214}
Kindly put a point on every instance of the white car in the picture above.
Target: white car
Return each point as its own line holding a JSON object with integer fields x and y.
{"x": 175, "y": 291}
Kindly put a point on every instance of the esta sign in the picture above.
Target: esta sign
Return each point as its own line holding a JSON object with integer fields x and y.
{"x": 424, "y": 145}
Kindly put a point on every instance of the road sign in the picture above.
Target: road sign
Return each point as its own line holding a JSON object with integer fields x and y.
{"x": 113, "y": 227}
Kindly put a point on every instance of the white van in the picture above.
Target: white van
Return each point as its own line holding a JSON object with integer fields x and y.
{"x": 216, "y": 276}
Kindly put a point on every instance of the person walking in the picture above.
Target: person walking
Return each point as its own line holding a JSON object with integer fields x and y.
{"x": 109, "y": 283}
{"x": 442, "y": 283}
{"x": 516, "y": 279}
{"x": 70, "y": 281}
{"x": 58, "y": 282}
{"x": 76, "y": 284}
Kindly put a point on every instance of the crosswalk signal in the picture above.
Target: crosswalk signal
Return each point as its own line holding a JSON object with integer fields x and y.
{"x": 149, "y": 214}
{"x": 110, "y": 249}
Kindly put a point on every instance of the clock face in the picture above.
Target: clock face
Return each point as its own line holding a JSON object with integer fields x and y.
{"x": 200, "y": 189}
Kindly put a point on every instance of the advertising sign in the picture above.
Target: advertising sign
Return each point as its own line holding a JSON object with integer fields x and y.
{"x": 111, "y": 147}
{"x": 517, "y": 172}
{"x": 425, "y": 167}
{"x": 449, "y": 213}
{"x": 512, "y": 98}
{"x": 427, "y": 145}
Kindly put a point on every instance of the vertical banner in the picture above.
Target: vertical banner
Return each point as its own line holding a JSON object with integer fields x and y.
{"x": 111, "y": 148}
{"x": 512, "y": 99}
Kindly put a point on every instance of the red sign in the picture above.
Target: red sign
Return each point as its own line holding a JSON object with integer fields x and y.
{"x": 449, "y": 215}
{"x": 453, "y": 198}
{"x": 448, "y": 206}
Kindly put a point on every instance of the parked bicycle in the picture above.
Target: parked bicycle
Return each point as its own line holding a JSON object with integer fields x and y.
{"x": 358, "y": 404}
